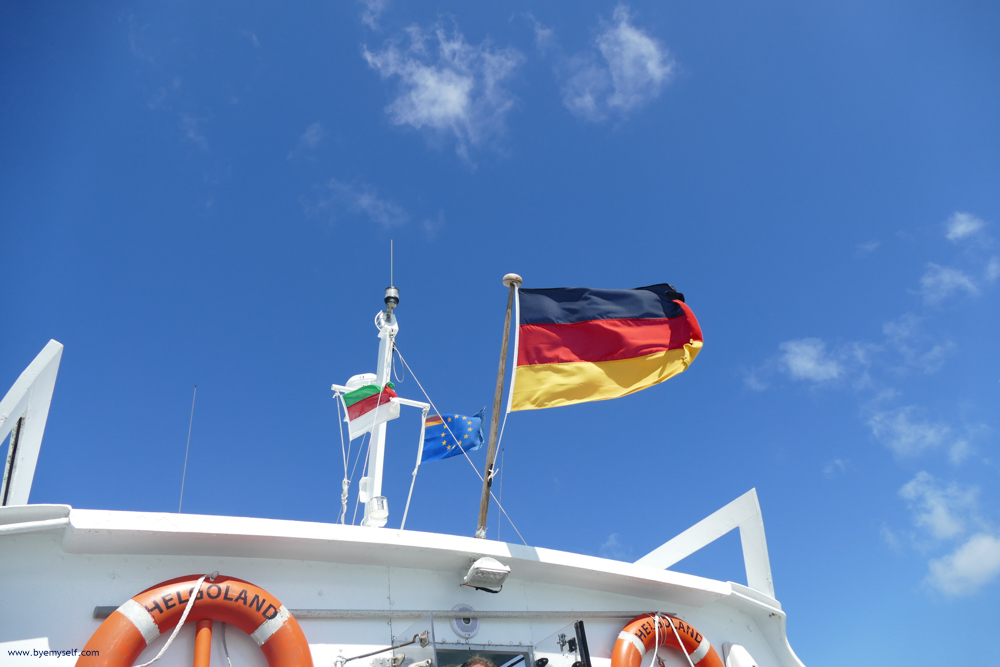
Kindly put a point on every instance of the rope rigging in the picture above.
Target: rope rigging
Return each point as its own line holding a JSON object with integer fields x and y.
{"x": 457, "y": 442}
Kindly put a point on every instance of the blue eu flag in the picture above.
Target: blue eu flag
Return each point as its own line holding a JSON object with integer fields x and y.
{"x": 440, "y": 434}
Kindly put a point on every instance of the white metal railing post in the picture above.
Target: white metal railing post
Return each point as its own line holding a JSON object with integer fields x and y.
{"x": 743, "y": 513}
{"x": 23, "y": 413}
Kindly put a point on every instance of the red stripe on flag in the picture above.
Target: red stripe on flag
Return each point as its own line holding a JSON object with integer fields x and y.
{"x": 604, "y": 340}
{"x": 368, "y": 404}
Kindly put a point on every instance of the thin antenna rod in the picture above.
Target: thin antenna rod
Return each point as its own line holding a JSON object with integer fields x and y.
{"x": 187, "y": 449}
{"x": 390, "y": 263}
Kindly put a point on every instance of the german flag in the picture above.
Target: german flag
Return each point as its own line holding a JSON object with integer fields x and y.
{"x": 576, "y": 344}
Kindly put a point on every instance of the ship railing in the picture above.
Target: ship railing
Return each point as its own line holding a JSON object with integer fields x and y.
{"x": 744, "y": 514}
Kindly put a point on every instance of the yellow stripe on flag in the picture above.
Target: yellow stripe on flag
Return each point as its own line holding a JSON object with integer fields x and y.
{"x": 551, "y": 385}
{"x": 433, "y": 421}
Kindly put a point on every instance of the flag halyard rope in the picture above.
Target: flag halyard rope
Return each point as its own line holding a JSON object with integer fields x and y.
{"x": 462, "y": 449}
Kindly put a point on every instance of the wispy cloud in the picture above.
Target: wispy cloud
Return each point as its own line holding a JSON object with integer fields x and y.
{"x": 372, "y": 11}
{"x": 544, "y": 37}
{"x": 309, "y": 140}
{"x": 866, "y": 248}
{"x": 969, "y": 568}
{"x": 959, "y": 451}
{"x": 433, "y": 225}
{"x": 628, "y": 69}
{"x": 993, "y": 269}
{"x": 906, "y": 432}
{"x": 448, "y": 86}
{"x": 614, "y": 549}
{"x": 358, "y": 199}
{"x": 312, "y": 136}
{"x": 807, "y": 359}
{"x": 160, "y": 96}
{"x": 811, "y": 360}
{"x": 917, "y": 349}
{"x": 252, "y": 36}
{"x": 940, "y": 282}
{"x": 948, "y": 512}
{"x": 136, "y": 39}
{"x": 835, "y": 467}
{"x": 961, "y": 226}
{"x": 942, "y": 511}
{"x": 190, "y": 126}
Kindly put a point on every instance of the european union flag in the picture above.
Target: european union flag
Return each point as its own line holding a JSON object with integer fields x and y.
{"x": 440, "y": 434}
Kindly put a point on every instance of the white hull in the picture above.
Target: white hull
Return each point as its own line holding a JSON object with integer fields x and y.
{"x": 353, "y": 589}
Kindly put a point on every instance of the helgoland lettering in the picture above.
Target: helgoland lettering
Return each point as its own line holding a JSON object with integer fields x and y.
{"x": 156, "y": 606}
{"x": 218, "y": 591}
{"x": 225, "y": 596}
{"x": 242, "y": 596}
{"x": 183, "y": 600}
{"x": 270, "y": 612}
{"x": 257, "y": 602}
{"x": 168, "y": 601}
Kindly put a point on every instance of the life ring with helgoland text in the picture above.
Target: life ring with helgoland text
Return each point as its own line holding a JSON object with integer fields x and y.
{"x": 640, "y": 635}
{"x": 124, "y": 635}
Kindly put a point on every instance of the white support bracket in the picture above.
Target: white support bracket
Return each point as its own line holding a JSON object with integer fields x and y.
{"x": 743, "y": 513}
{"x": 23, "y": 413}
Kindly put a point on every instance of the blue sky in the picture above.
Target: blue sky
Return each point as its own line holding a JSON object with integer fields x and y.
{"x": 204, "y": 193}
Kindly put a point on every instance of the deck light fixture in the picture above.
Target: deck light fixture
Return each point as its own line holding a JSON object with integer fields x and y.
{"x": 380, "y": 509}
{"x": 486, "y": 574}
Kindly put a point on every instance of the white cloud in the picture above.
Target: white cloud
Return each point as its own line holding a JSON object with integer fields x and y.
{"x": 585, "y": 90}
{"x": 614, "y": 549}
{"x": 961, "y": 226}
{"x": 940, "y": 510}
{"x": 433, "y": 225}
{"x": 309, "y": 140}
{"x": 632, "y": 70}
{"x": 447, "y": 86}
{"x": 752, "y": 381}
{"x": 970, "y": 567}
{"x": 312, "y": 136}
{"x": 372, "y": 12}
{"x": 866, "y": 248}
{"x": 940, "y": 282}
{"x": 890, "y": 538}
{"x": 993, "y": 269}
{"x": 360, "y": 199}
{"x": 806, "y": 359}
{"x": 898, "y": 331}
{"x": 639, "y": 65}
{"x": 905, "y": 433}
{"x": 189, "y": 125}
{"x": 959, "y": 451}
{"x": 835, "y": 467}
{"x": 544, "y": 37}
{"x": 252, "y": 36}
{"x": 906, "y": 335}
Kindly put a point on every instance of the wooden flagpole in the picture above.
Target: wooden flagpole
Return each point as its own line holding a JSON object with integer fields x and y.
{"x": 511, "y": 280}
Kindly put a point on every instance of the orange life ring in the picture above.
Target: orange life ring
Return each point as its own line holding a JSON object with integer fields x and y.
{"x": 130, "y": 628}
{"x": 640, "y": 635}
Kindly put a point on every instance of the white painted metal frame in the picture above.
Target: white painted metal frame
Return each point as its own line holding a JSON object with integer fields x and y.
{"x": 743, "y": 513}
{"x": 23, "y": 413}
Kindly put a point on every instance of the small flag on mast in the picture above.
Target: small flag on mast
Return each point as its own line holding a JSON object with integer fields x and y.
{"x": 440, "y": 435}
{"x": 579, "y": 344}
{"x": 368, "y": 406}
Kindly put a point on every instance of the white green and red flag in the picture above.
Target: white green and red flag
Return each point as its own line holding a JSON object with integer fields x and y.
{"x": 368, "y": 406}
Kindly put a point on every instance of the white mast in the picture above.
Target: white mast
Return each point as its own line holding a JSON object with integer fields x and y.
{"x": 376, "y": 507}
